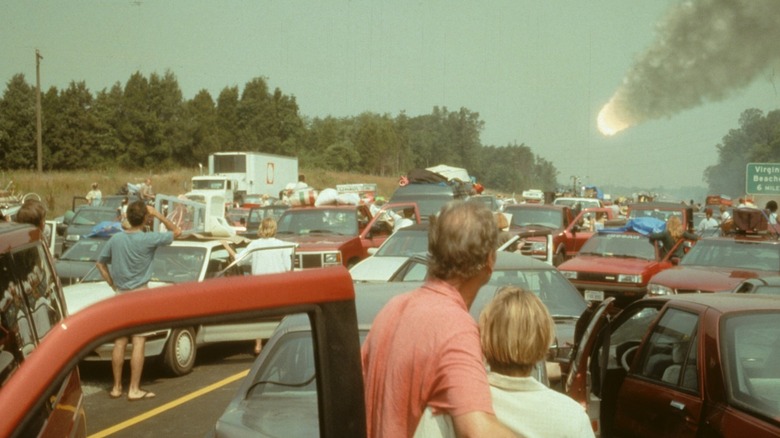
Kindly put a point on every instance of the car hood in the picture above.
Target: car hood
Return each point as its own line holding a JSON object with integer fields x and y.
{"x": 81, "y": 295}
{"x": 377, "y": 268}
{"x": 608, "y": 265}
{"x": 705, "y": 279}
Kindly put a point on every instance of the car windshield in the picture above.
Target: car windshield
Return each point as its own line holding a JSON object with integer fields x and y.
{"x": 84, "y": 250}
{"x": 767, "y": 290}
{"x": 523, "y": 217}
{"x": 750, "y": 351}
{"x": 584, "y": 203}
{"x": 171, "y": 264}
{"x": 663, "y": 215}
{"x": 730, "y": 253}
{"x": 560, "y": 297}
{"x": 177, "y": 264}
{"x": 88, "y": 216}
{"x": 256, "y": 215}
{"x": 404, "y": 243}
{"x": 318, "y": 221}
{"x": 619, "y": 245}
{"x": 288, "y": 369}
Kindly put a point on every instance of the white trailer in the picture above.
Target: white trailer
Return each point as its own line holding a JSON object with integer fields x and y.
{"x": 253, "y": 172}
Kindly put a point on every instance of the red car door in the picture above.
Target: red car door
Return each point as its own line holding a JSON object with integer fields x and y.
{"x": 661, "y": 394}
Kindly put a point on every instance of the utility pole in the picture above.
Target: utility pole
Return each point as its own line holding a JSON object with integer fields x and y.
{"x": 38, "y": 139}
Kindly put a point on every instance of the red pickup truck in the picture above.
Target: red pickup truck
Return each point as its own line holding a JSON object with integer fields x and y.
{"x": 335, "y": 235}
{"x": 553, "y": 233}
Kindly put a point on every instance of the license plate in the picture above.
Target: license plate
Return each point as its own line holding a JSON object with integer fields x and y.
{"x": 594, "y": 295}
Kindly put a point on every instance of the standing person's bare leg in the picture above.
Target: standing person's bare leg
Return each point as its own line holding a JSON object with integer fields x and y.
{"x": 117, "y": 362}
{"x": 134, "y": 391}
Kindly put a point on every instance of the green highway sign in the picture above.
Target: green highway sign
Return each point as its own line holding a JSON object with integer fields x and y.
{"x": 762, "y": 179}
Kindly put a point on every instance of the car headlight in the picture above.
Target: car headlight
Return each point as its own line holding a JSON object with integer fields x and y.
{"x": 569, "y": 274}
{"x": 538, "y": 246}
{"x": 72, "y": 237}
{"x": 626, "y": 278}
{"x": 332, "y": 259}
{"x": 657, "y": 289}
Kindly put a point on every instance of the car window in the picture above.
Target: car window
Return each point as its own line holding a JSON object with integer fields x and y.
{"x": 85, "y": 250}
{"x": 750, "y": 353}
{"x": 404, "y": 243}
{"x": 619, "y": 245}
{"x": 536, "y": 216}
{"x": 670, "y": 354}
{"x": 29, "y": 306}
{"x": 288, "y": 368}
{"x": 560, "y": 297}
{"x": 734, "y": 254}
{"x": 176, "y": 264}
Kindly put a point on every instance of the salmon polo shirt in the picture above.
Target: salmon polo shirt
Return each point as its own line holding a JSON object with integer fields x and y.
{"x": 423, "y": 349}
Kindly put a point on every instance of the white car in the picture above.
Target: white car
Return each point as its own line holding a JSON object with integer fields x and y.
{"x": 402, "y": 244}
{"x": 185, "y": 260}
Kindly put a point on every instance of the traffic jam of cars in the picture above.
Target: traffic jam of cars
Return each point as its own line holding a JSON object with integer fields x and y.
{"x": 653, "y": 336}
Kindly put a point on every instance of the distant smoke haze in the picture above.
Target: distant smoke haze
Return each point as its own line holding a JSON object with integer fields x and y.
{"x": 706, "y": 50}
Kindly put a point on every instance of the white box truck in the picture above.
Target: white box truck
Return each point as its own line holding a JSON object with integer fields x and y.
{"x": 236, "y": 174}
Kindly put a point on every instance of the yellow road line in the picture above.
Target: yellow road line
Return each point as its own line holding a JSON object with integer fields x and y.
{"x": 168, "y": 406}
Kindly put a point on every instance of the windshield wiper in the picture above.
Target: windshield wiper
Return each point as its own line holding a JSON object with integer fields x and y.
{"x": 273, "y": 382}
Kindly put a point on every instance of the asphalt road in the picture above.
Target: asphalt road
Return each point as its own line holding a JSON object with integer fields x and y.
{"x": 186, "y": 406}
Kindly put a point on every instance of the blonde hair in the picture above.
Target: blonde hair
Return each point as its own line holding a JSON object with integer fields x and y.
{"x": 516, "y": 330}
{"x": 675, "y": 228}
{"x": 267, "y": 228}
{"x": 501, "y": 221}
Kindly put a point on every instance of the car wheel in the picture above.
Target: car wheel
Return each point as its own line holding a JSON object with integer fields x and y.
{"x": 179, "y": 353}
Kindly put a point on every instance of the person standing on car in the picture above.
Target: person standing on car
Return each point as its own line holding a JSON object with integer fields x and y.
{"x": 94, "y": 196}
{"x": 126, "y": 264}
{"x": 423, "y": 348}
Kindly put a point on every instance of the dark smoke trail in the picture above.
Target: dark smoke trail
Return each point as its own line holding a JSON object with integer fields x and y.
{"x": 706, "y": 50}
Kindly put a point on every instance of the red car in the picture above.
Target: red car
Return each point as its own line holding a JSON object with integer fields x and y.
{"x": 32, "y": 308}
{"x": 685, "y": 366}
{"x": 719, "y": 264}
{"x": 615, "y": 265}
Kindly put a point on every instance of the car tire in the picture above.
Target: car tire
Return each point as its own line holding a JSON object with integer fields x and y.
{"x": 180, "y": 351}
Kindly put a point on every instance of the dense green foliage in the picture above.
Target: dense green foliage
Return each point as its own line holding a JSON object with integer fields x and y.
{"x": 147, "y": 124}
{"x": 756, "y": 141}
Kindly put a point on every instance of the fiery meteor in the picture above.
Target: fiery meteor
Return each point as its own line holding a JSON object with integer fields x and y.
{"x": 611, "y": 120}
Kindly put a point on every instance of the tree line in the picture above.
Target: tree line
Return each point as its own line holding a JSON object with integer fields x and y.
{"x": 757, "y": 140}
{"x": 147, "y": 124}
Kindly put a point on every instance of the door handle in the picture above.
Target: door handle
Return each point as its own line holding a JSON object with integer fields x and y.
{"x": 680, "y": 406}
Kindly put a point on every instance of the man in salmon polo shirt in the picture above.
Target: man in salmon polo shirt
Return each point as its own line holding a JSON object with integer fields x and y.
{"x": 423, "y": 348}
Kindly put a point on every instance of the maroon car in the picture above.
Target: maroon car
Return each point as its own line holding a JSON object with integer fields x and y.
{"x": 684, "y": 366}
{"x": 719, "y": 264}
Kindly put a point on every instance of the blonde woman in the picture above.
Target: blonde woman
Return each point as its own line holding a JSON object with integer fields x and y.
{"x": 670, "y": 237}
{"x": 516, "y": 332}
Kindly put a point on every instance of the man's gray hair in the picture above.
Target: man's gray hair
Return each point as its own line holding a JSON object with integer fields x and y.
{"x": 460, "y": 239}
